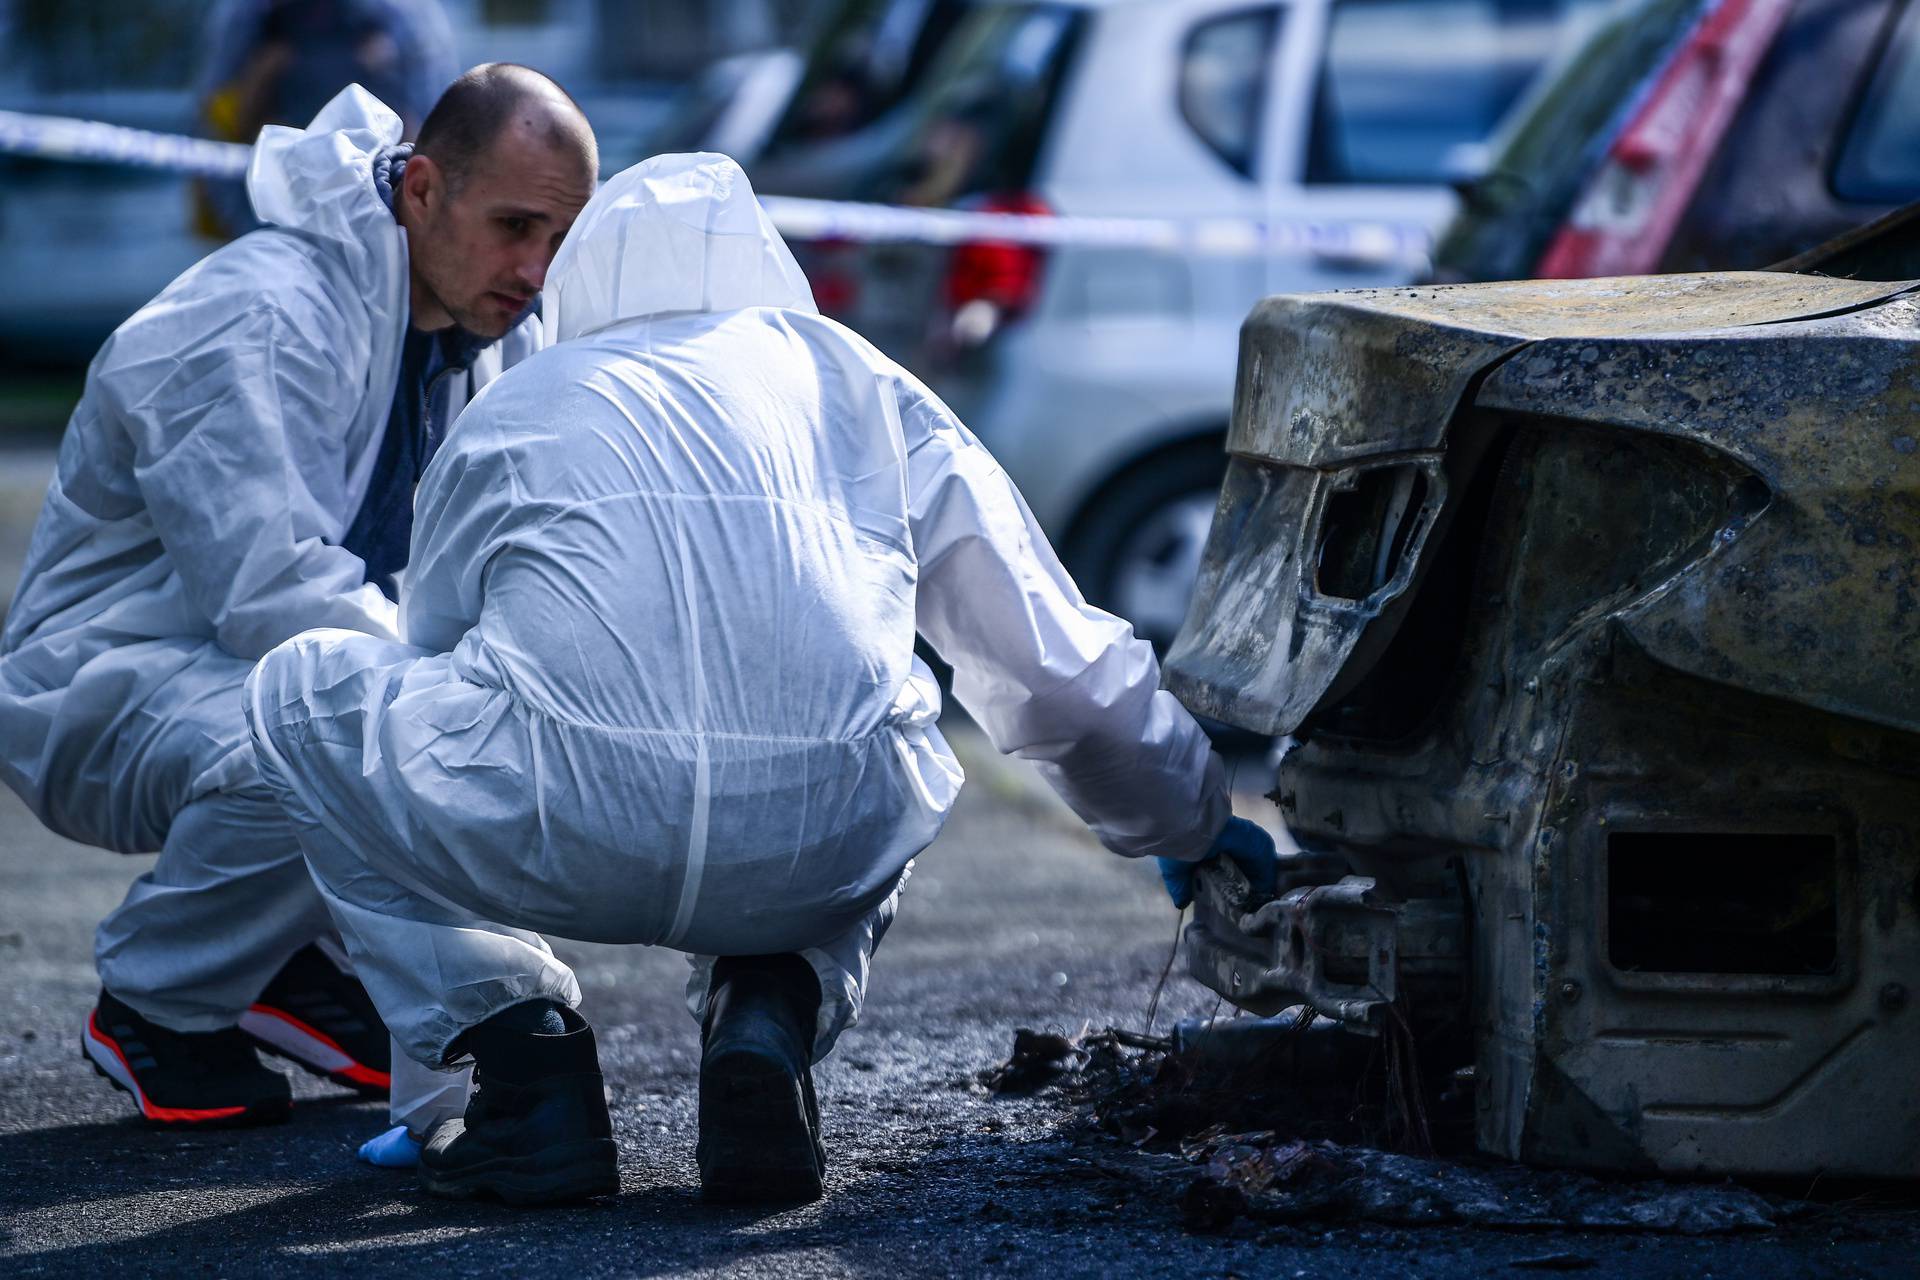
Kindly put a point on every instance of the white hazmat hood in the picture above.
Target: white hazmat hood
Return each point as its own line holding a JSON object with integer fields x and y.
{"x": 675, "y": 233}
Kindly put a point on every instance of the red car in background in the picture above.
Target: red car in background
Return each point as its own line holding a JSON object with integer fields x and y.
{"x": 1691, "y": 137}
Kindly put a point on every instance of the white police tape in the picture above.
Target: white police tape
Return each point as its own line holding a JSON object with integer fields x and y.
{"x": 1382, "y": 244}
{"x": 61, "y": 138}
{"x": 1356, "y": 243}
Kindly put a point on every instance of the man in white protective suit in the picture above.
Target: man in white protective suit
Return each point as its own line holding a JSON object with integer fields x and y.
{"x": 658, "y": 686}
{"x": 241, "y": 469}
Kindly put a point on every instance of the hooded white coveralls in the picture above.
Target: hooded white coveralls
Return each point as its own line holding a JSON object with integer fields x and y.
{"x": 224, "y": 442}
{"x": 659, "y": 685}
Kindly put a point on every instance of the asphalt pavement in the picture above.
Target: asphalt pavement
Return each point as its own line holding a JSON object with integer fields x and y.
{"x": 1014, "y": 918}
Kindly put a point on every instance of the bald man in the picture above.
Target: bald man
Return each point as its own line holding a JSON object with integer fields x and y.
{"x": 239, "y": 470}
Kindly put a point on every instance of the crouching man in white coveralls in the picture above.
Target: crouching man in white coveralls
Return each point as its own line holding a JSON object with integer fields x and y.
{"x": 241, "y": 469}
{"x": 658, "y": 687}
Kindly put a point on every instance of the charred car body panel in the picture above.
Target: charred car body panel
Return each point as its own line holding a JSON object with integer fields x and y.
{"x": 1595, "y": 608}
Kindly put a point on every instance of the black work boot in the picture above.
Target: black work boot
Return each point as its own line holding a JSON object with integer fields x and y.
{"x": 181, "y": 1079}
{"x": 536, "y": 1130}
{"x": 321, "y": 1019}
{"x": 759, "y": 1123}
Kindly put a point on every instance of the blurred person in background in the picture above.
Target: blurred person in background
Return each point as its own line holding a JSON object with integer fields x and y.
{"x": 280, "y": 61}
{"x": 240, "y": 468}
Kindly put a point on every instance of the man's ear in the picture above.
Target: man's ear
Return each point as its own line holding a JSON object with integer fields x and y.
{"x": 423, "y": 184}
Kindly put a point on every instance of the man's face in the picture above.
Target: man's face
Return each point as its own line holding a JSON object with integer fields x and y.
{"x": 480, "y": 248}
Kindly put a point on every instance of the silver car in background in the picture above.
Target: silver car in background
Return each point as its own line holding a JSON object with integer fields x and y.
{"x": 1102, "y": 378}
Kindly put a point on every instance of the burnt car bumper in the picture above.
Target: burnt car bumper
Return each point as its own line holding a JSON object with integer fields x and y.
{"x": 1595, "y": 607}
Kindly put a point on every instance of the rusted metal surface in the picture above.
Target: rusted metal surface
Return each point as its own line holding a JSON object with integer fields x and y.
{"x": 1595, "y": 607}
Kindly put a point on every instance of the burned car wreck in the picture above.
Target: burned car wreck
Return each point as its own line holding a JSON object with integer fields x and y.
{"x": 1593, "y": 608}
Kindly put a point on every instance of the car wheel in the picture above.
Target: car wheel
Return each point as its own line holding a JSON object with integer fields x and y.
{"x": 1136, "y": 551}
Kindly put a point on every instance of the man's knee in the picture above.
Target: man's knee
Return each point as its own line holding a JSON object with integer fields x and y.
{"x": 243, "y": 824}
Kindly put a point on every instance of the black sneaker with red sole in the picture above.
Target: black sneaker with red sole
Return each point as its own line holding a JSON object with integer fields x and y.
{"x": 181, "y": 1079}
{"x": 322, "y": 1020}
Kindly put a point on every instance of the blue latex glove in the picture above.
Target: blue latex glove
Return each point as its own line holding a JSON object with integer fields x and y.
{"x": 394, "y": 1149}
{"x": 1251, "y": 849}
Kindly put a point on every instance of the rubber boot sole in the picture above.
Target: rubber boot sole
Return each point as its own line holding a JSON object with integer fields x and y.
{"x": 106, "y": 1062}
{"x": 757, "y": 1141}
{"x": 557, "y": 1175}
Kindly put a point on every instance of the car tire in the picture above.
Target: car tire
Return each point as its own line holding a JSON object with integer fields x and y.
{"x": 1135, "y": 550}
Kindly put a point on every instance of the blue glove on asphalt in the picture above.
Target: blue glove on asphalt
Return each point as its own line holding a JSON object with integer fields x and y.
{"x": 1251, "y": 849}
{"x": 394, "y": 1149}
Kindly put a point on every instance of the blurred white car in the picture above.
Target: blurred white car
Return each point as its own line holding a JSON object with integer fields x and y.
{"x": 1102, "y": 378}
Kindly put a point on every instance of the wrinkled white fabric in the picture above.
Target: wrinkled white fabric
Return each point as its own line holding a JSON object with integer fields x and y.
{"x": 421, "y": 1097}
{"x": 659, "y": 683}
{"x": 224, "y": 441}
{"x": 226, "y": 904}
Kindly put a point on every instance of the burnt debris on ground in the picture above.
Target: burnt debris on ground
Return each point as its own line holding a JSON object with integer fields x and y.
{"x": 1291, "y": 1120}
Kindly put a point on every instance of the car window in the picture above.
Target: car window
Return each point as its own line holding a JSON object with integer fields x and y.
{"x": 975, "y": 125}
{"x": 1410, "y": 90}
{"x": 1880, "y": 159}
{"x": 871, "y": 55}
{"x": 1224, "y": 71}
